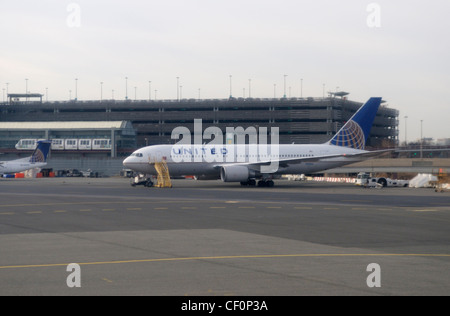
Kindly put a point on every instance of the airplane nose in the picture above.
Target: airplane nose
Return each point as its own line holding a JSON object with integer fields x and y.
{"x": 126, "y": 162}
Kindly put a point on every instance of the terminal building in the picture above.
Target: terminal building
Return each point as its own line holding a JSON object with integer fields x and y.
{"x": 129, "y": 125}
{"x": 68, "y": 137}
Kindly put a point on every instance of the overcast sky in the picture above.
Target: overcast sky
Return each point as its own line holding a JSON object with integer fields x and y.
{"x": 395, "y": 49}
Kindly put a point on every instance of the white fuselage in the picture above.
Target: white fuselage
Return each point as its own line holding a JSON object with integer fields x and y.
{"x": 207, "y": 160}
{"x": 20, "y": 165}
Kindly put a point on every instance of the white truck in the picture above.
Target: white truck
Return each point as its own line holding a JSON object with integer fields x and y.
{"x": 366, "y": 180}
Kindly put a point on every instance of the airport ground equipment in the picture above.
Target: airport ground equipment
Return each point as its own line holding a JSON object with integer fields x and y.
{"x": 366, "y": 180}
{"x": 423, "y": 180}
{"x": 141, "y": 179}
{"x": 443, "y": 181}
{"x": 163, "y": 173}
{"x": 163, "y": 176}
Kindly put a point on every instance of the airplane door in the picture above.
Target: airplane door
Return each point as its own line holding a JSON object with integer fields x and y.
{"x": 156, "y": 157}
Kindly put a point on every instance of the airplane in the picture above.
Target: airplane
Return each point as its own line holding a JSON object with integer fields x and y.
{"x": 37, "y": 160}
{"x": 248, "y": 163}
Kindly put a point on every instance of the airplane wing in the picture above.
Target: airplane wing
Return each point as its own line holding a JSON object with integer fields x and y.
{"x": 286, "y": 162}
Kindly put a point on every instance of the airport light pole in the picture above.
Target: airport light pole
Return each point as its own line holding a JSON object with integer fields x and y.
{"x": 406, "y": 131}
{"x": 76, "y": 89}
{"x": 285, "y": 96}
{"x": 7, "y": 92}
{"x": 178, "y": 88}
{"x": 421, "y": 139}
{"x": 301, "y": 88}
{"x": 149, "y": 90}
{"x": 126, "y": 88}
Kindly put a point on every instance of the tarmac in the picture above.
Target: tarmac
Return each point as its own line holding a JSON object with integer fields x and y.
{"x": 217, "y": 239}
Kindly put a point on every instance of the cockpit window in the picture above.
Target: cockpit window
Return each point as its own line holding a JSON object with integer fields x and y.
{"x": 139, "y": 155}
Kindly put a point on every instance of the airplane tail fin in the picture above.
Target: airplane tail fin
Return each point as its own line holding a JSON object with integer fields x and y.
{"x": 41, "y": 152}
{"x": 356, "y": 131}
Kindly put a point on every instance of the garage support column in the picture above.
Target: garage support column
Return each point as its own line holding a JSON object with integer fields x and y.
{"x": 113, "y": 143}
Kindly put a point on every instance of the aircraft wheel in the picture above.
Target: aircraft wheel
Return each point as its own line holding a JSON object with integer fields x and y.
{"x": 383, "y": 182}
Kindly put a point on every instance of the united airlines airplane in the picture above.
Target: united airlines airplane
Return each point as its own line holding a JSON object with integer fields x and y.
{"x": 248, "y": 163}
{"x": 37, "y": 160}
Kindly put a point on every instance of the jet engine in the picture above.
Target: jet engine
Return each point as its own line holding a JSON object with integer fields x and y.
{"x": 235, "y": 174}
{"x": 206, "y": 177}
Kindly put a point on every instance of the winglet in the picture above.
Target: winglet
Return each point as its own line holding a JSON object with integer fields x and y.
{"x": 355, "y": 133}
{"x": 41, "y": 152}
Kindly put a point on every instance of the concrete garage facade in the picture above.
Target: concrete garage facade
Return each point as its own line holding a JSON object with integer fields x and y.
{"x": 300, "y": 120}
{"x": 129, "y": 125}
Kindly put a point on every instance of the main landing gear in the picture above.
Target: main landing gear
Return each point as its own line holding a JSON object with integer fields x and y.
{"x": 262, "y": 183}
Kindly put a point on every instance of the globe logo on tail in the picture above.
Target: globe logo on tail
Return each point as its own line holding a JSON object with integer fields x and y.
{"x": 41, "y": 152}
{"x": 351, "y": 135}
{"x": 38, "y": 156}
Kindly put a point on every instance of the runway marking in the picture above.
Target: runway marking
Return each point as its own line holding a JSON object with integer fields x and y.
{"x": 54, "y": 204}
{"x": 60, "y": 211}
{"x": 107, "y": 280}
{"x": 108, "y": 209}
{"x": 188, "y": 208}
{"x": 303, "y": 208}
{"x": 92, "y": 203}
{"x": 161, "y": 208}
{"x": 342, "y": 255}
{"x": 86, "y": 210}
{"x": 34, "y": 212}
{"x": 425, "y": 211}
{"x": 217, "y": 207}
{"x": 7, "y": 213}
{"x": 134, "y": 209}
{"x": 360, "y": 201}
